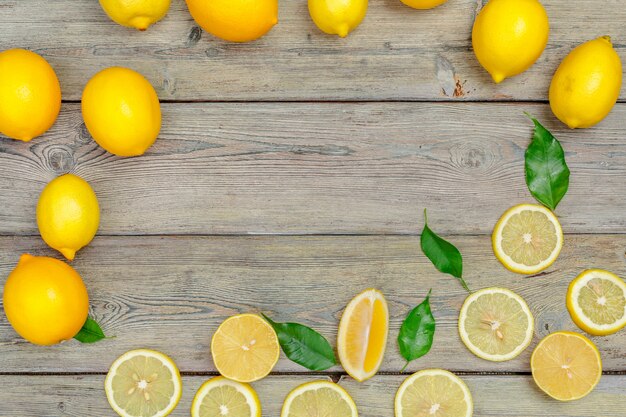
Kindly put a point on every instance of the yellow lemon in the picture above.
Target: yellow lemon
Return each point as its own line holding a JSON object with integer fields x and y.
{"x": 509, "y": 36}
{"x": 423, "y": 4}
{"x": 68, "y": 214}
{"x": 235, "y": 20}
{"x": 138, "y": 14}
{"x": 319, "y": 399}
{"x": 587, "y": 84}
{"x": 337, "y": 17}
{"x": 30, "y": 94}
{"x": 220, "y": 396}
{"x": 45, "y": 300}
{"x": 121, "y": 111}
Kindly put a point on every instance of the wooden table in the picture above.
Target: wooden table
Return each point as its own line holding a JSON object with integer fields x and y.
{"x": 290, "y": 174}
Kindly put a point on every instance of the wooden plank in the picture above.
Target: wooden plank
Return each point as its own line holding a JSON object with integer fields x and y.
{"x": 503, "y": 396}
{"x": 397, "y": 53}
{"x": 303, "y": 168}
{"x": 171, "y": 293}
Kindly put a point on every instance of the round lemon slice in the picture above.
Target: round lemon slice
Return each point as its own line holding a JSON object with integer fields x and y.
{"x": 596, "y": 300}
{"x": 527, "y": 239}
{"x": 319, "y": 399}
{"x": 143, "y": 383}
{"x": 222, "y": 397}
{"x": 362, "y": 336}
{"x": 496, "y": 324}
{"x": 433, "y": 392}
{"x": 245, "y": 348}
{"x": 566, "y": 366}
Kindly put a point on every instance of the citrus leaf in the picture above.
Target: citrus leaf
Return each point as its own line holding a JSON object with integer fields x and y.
{"x": 304, "y": 345}
{"x": 417, "y": 332}
{"x": 90, "y": 333}
{"x": 547, "y": 174}
{"x": 444, "y": 255}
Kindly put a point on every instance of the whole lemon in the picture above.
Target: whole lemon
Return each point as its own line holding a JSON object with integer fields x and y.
{"x": 337, "y": 17}
{"x": 235, "y": 20}
{"x": 30, "y": 94}
{"x": 138, "y": 14}
{"x": 68, "y": 214}
{"x": 587, "y": 84}
{"x": 121, "y": 111}
{"x": 509, "y": 36}
{"x": 45, "y": 300}
{"x": 423, "y": 4}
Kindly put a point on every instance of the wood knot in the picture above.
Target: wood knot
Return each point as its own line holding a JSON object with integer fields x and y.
{"x": 469, "y": 156}
{"x": 84, "y": 137}
{"x": 194, "y": 36}
{"x": 60, "y": 159}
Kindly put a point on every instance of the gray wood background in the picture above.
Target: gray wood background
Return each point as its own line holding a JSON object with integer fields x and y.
{"x": 290, "y": 174}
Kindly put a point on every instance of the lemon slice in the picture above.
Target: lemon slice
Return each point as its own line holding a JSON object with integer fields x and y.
{"x": 527, "y": 239}
{"x": 223, "y": 397}
{"x": 362, "y": 336}
{"x": 245, "y": 348}
{"x": 566, "y": 366}
{"x": 433, "y": 392}
{"x": 496, "y": 324}
{"x": 319, "y": 399}
{"x": 143, "y": 383}
{"x": 596, "y": 300}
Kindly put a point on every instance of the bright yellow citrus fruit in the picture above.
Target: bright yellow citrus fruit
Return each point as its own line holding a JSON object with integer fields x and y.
{"x": 319, "y": 399}
{"x": 337, "y": 17}
{"x": 509, "y": 36}
{"x": 566, "y": 366}
{"x": 596, "y": 300}
{"x": 245, "y": 348}
{"x": 30, "y": 94}
{"x": 121, "y": 111}
{"x": 362, "y": 336}
{"x": 45, "y": 300}
{"x": 143, "y": 383}
{"x": 138, "y": 14}
{"x": 423, "y": 4}
{"x": 433, "y": 392}
{"x": 527, "y": 239}
{"x": 496, "y": 324}
{"x": 68, "y": 214}
{"x": 587, "y": 84}
{"x": 222, "y": 397}
{"x": 235, "y": 20}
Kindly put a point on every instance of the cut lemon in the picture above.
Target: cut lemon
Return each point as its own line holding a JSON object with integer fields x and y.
{"x": 362, "y": 336}
{"x": 527, "y": 239}
{"x": 245, "y": 348}
{"x": 496, "y": 324}
{"x": 566, "y": 366}
{"x": 319, "y": 399}
{"x": 223, "y": 397}
{"x": 143, "y": 383}
{"x": 596, "y": 300}
{"x": 433, "y": 392}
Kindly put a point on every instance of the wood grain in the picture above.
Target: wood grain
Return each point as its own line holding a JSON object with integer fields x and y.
{"x": 502, "y": 396}
{"x": 311, "y": 168}
{"x": 171, "y": 293}
{"x": 396, "y": 54}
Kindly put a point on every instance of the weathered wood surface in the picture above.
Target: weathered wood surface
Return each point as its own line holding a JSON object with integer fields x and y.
{"x": 310, "y": 168}
{"x": 171, "y": 293}
{"x": 396, "y": 54}
{"x": 502, "y": 396}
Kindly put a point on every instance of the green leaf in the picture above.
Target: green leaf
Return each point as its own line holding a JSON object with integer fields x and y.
{"x": 417, "y": 332}
{"x": 90, "y": 333}
{"x": 547, "y": 174}
{"x": 444, "y": 255}
{"x": 304, "y": 345}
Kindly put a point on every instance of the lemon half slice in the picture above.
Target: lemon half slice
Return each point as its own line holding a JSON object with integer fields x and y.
{"x": 222, "y": 397}
{"x": 143, "y": 383}
{"x": 596, "y": 300}
{"x": 319, "y": 399}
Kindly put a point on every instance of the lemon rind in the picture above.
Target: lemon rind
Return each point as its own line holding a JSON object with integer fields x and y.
{"x": 314, "y": 385}
{"x": 248, "y": 392}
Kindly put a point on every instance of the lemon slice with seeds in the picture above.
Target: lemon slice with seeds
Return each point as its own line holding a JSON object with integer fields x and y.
{"x": 223, "y": 397}
{"x": 496, "y": 324}
{"x": 143, "y": 383}
{"x": 433, "y": 392}
{"x": 596, "y": 300}
{"x": 319, "y": 399}
{"x": 527, "y": 239}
